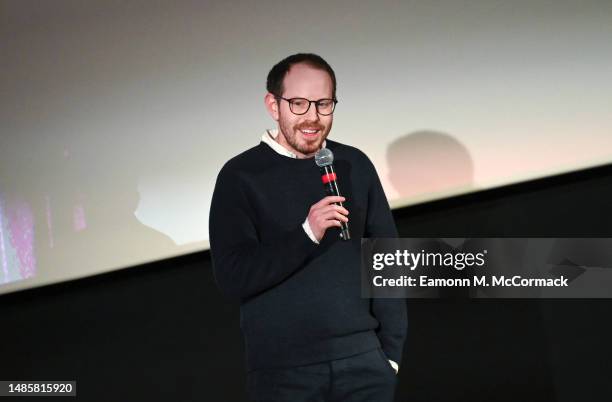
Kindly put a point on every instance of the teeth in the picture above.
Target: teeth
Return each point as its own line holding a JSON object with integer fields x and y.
{"x": 310, "y": 131}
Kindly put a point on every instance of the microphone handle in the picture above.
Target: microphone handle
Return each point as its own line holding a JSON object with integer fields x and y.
{"x": 331, "y": 188}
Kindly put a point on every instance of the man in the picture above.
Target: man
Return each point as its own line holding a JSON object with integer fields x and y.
{"x": 275, "y": 246}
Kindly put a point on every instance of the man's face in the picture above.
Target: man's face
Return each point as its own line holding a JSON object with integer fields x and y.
{"x": 304, "y": 134}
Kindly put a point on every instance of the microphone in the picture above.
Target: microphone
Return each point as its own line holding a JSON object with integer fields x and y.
{"x": 324, "y": 158}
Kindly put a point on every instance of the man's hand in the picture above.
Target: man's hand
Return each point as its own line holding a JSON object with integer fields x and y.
{"x": 325, "y": 214}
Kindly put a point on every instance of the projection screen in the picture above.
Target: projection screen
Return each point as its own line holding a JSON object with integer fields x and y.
{"x": 116, "y": 116}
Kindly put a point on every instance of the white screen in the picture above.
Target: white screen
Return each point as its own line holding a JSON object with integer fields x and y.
{"x": 116, "y": 116}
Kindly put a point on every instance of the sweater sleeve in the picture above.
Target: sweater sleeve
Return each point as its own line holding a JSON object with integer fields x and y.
{"x": 243, "y": 265}
{"x": 390, "y": 313}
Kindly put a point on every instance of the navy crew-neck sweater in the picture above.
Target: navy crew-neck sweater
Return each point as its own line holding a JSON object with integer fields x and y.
{"x": 300, "y": 303}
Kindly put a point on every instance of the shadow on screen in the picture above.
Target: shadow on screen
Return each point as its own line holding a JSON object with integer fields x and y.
{"x": 427, "y": 161}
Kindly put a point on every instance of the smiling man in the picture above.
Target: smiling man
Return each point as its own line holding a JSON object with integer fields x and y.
{"x": 303, "y": 128}
{"x": 275, "y": 246}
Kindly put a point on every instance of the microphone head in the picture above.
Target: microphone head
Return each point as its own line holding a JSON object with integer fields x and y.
{"x": 324, "y": 157}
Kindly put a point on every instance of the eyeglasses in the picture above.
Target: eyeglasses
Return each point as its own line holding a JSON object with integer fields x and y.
{"x": 300, "y": 106}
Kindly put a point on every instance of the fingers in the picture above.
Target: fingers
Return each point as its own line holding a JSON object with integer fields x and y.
{"x": 340, "y": 209}
{"x": 333, "y": 214}
{"x": 328, "y": 223}
{"x": 323, "y": 208}
{"x": 325, "y": 214}
{"x": 329, "y": 218}
{"x": 330, "y": 212}
{"x": 329, "y": 200}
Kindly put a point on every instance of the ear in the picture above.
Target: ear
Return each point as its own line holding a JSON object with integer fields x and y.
{"x": 271, "y": 105}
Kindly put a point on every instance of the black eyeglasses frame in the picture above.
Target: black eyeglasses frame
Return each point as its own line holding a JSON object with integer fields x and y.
{"x": 316, "y": 102}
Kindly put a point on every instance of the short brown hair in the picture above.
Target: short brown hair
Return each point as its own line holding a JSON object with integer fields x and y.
{"x": 276, "y": 76}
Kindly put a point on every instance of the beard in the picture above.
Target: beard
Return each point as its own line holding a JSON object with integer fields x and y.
{"x": 299, "y": 142}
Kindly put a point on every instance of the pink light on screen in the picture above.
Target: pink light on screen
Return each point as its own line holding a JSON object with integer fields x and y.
{"x": 79, "y": 222}
{"x": 21, "y": 228}
{"x": 49, "y": 220}
{"x": 2, "y": 249}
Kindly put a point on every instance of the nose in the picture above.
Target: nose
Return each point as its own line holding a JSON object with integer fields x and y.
{"x": 312, "y": 114}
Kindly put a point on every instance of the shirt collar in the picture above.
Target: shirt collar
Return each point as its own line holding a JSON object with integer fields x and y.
{"x": 269, "y": 137}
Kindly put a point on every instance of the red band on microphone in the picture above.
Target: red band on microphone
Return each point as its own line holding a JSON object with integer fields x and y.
{"x": 328, "y": 177}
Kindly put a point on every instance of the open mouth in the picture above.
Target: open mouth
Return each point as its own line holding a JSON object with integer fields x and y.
{"x": 310, "y": 132}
